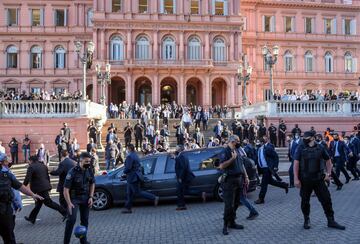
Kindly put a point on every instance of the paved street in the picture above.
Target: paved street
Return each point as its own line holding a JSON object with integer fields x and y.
{"x": 280, "y": 221}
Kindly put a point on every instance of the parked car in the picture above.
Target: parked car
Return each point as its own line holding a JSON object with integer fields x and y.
{"x": 160, "y": 178}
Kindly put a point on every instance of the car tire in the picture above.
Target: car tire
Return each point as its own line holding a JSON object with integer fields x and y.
{"x": 102, "y": 200}
{"x": 218, "y": 193}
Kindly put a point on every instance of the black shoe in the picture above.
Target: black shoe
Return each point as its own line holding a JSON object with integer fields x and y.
{"x": 181, "y": 208}
{"x": 333, "y": 224}
{"x": 307, "y": 223}
{"x": 259, "y": 201}
{"x": 357, "y": 178}
{"x": 347, "y": 180}
{"x": 236, "y": 226}
{"x": 287, "y": 189}
{"x": 339, "y": 188}
{"x": 126, "y": 211}
{"x": 252, "y": 215}
{"x": 225, "y": 231}
{"x": 29, "y": 220}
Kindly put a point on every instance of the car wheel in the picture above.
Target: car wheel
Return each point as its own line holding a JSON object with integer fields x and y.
{"x": 102, "y": 200}
{"x": 219, "y": 193}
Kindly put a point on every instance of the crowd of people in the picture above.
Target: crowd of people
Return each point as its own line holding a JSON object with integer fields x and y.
{"x": 312, "y": 156}
{"x": 41, "y": 95}
{"x": 164, "y": 111}
{"x": 316, "y": 96}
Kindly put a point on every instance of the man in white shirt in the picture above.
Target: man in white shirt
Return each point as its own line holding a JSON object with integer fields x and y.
{"x": 2, "y": 149}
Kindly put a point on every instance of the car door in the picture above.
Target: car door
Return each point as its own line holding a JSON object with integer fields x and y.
{"x": 148, "y": 165}
{"x": 204, "y": 163}
{"x": 119, "y": 186}
{"x": 164, "y": 182}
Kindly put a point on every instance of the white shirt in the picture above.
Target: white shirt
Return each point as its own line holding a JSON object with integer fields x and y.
{"x": 2, "y": 149}
{"x": 262, "y": 160}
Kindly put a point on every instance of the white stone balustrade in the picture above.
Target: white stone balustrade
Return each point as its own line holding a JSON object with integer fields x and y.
{"x": 51, "y": 109}
{"x": 301, "y": 109}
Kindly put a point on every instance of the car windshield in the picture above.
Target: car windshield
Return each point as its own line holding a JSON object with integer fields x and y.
{"x": 114, "y": 171}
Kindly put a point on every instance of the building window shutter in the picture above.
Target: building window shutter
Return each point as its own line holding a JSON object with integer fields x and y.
{"x": 65, "y": 17}
{"x": 245, "y": 23}
{"x": 42, "y": 17}
{"x": 353, "y": 27}
{"x": 162, "y": 6}
{"x": 174, "y": 6}
{"x": 263, "y": 23}
{"x": 226, "y": 7}
{"x": 354, "y": 65}
{"x": 343, "y": 26}
{"x": 313, "y": 25}
{"x": 333, "y": 26}
{"x": 272, "y": 26}
{"x": 213, "y": 7}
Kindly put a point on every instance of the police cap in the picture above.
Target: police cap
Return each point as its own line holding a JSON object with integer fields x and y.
{"x": 309, "y": 134}
{"x": 85, "y": 155}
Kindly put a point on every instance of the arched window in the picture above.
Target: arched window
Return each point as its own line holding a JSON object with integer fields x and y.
{"x": 59, "y": 57}
{"x": 11, "y": 58}
{"x": 116, "y": 49}
{"x": 168, "y": 49}
{"x": 288, "y": 61}
{"x": 219, "y": 50}
{"x": 350, "y": 63}
{"x": 309, "y": 62}
{"x": 142, "y": 48}
{"x": 329, "y": 63}
{"x": 194, "y": 49}
{"x": 90, "y": 16}
{"x": 36, "y": 57}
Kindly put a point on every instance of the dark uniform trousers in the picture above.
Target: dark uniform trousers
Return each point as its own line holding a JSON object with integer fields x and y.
{"x": 340, "y": 166}
{"x": 138, "y": 141}
{"x": 322, "y": 193}
{"x": 281, "y": 139}
{"x": 268, "y": 179}
{"x": 183, "y": 189}
{"x": 48, "y": 202}
{"x": 7, "y": 225}
{"x": 231, "y": 190}
{"x": 127, "y": 140}
{"x": 273, "y": 139}
{"x": 134, "y": 190}
{"x": 62, "y": 200}
{"x": 70, "y": 222}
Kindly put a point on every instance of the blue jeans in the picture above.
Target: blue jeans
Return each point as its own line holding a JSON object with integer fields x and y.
{"x": 70, "y": 222}
{"x": 26, "y": 153}
{"x": 291, "y": 173}
{"x": 247, "y": 204}
{"x": 133, "y": 190}
{"x": 110, "y": 162}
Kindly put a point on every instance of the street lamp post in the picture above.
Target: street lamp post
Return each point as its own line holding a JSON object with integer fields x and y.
{"x": 243, "y": 79}
{"x": 103, "y": 79}
{"x": 270, "y": 59}
{"x": 86, "y": 59}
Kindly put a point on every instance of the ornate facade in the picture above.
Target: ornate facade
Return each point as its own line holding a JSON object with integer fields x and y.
{"x": 184, "y": 51}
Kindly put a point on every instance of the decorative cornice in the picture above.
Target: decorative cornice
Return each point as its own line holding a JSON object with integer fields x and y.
{"x": 300, "y": 4}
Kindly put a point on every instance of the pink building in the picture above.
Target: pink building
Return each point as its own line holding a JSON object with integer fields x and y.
{"x": 184, "y": 51}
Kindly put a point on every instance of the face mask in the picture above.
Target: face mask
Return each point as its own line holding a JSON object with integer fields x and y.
{"x": 296, "y": 137}
{"x": 318, "y": 140}
{"x": 86, "y": 166}
{"x": 346, "y": 141}
{"x": 336, "y": 139}
{"x": 306, "y": 141}
{"x": 237, "y": 145}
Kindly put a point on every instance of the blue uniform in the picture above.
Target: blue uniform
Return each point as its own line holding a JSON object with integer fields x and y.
{"x": 78, "y": 181}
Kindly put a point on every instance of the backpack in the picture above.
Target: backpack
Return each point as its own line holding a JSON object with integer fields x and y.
{"x": 6, "y": 193}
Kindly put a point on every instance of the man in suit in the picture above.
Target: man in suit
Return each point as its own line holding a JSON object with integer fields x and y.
{"x": 272, "y": 134}
{"x": 218, "y": 130}
{"x": 184, "y": 177}
{"x": 63, "y": 168}
{"x": 134, "y": 177}
{"x": 199, "y": 137}
{"x": 61, "y": 143}
{"x": 352, "y": 143}
{"x": 339, "y": 153}
{"x": 43, "y": 155}
{"x": 128, "y": 130}
{"x": 268, "y": 161}
{"x": 293, "y": 144}
{"x": 91, "y": 145}
{"x": 38, "y": 177}
{"x": 67, "y": 133}
{"x": 111, "y": 136}
{"x": 138, "y": 133}
{"x": 282, "y": 133}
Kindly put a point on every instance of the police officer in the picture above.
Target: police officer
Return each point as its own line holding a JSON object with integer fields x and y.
{"x": 309, "y": 175}
{"x": 272, "y": 134}
{"x": 232, "y": 180}
{"x": 282, "y": 133}
{"x": 79, "y": 189}
{"x": 7, "y": 182}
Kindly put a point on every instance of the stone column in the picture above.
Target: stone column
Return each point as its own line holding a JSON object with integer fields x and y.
{"x": 207, "y": 91}
{"x": 207, "y": 46}
{"x": 155, "y": 46}
{"x": 232, "y": 47}
{"x": 94, "y": 83}
{"x": 181, "y": 47}
{"x": 155, "y": 88}
{"x": 181, "y": 91}
{"x": 102, "y": 45}
{"x": 129, "y": 46}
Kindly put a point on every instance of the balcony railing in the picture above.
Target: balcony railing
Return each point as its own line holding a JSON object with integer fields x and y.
{"x": 51, "y": 109}
{"x": 302, "y": 109}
